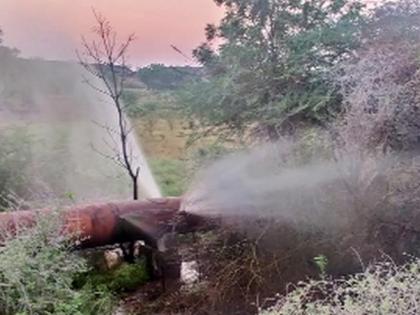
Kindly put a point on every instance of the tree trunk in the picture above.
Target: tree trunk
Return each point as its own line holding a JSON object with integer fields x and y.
{"x": 135, "y": 189}
{"x": 149, "y": 248}
{"x": 129, "y": 249}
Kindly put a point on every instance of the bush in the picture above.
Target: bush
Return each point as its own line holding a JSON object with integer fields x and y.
{"x": 37, "y": 271}
{"x": 15, "y": 157}
{"x": 124, "y": 278}
{"x": 381, "y": 289}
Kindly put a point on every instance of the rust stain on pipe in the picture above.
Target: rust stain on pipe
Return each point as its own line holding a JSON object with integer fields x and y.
{"x": 103, "y": 224}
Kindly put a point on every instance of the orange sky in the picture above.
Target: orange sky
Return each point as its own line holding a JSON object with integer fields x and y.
{"x": 51, "y": 29}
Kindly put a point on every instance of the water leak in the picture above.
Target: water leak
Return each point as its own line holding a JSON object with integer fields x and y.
{"x": 70, "y": 129}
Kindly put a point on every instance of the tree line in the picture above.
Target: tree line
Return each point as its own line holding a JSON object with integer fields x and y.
{"x": 272, "y": 65}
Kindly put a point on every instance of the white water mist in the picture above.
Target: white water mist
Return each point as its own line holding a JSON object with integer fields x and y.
{"x": 267, "y": 182}
{"x": 109, "y": 120}
{"x": 63, "y": 117}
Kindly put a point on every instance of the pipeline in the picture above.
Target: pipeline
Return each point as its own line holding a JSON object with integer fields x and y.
{"x": 105, "y": 224}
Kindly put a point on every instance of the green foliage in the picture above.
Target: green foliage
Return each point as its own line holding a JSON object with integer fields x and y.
{"x": 141, "y": 109}
{"x": 139, "y": 105}
{"x": 321, "y": 261}
{"x": 126, "y": 277}
{"x": 273, "y": 66}
{"x": 149, "y": 105}
{"x": 15, "y": 156}
{"x": 87, "y": 301}
{"x": 171, "y": 176}
{"x": 37, "y": 271}
{"x": 130, "y": 99}
{"x": 161, "y": 77}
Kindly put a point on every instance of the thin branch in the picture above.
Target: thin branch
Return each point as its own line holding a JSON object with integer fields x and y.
{"x": 115, "y": 159}
{"x": 102, "y": 58}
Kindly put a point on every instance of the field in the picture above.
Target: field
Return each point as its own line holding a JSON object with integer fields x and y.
{"x": 291, "y": 151}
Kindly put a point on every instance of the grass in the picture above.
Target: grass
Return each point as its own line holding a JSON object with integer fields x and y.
{"x": 171, "y": 175}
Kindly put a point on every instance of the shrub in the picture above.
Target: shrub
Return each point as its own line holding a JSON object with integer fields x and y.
{"x": 14, "y": 160}
{"x": 124, "y": 278}
{"x": 37, "y": 271}
{"x": 382, "y": 289}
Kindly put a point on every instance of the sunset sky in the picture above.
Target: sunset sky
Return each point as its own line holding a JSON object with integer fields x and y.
{"x": 51, "y": 29}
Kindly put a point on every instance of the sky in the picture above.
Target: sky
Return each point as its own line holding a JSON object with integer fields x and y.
{"x": 52, "y": 29}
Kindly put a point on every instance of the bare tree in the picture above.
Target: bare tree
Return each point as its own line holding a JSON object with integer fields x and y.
{"x": 105, "y": 58}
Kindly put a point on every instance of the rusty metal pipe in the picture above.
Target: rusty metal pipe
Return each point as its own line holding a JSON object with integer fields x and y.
{"x": 107, "y": 223}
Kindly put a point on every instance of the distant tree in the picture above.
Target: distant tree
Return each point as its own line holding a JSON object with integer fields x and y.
{"x": 161, "y": 77}
{"x": 15, "y": 160}
{"x": 6, "y": 51}
{"x": 9, "y": 72}
{"x": 272, "y": 67}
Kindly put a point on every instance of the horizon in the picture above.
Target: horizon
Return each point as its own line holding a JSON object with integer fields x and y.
{"x": 52, "y": 30}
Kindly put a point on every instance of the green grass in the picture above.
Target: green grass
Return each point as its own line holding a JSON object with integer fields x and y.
{"x": 171, "y": 176}
{"x": 124, "y": 278}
